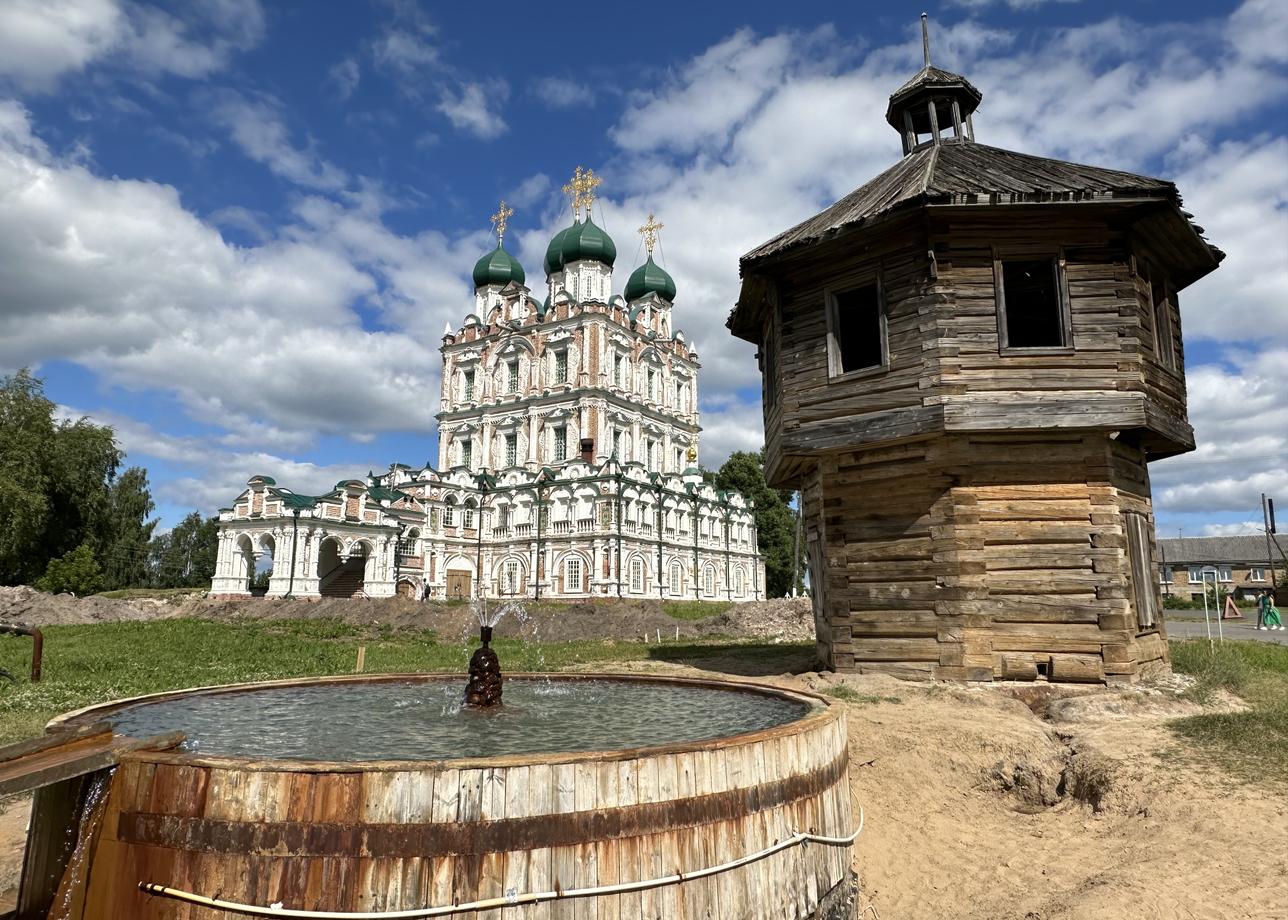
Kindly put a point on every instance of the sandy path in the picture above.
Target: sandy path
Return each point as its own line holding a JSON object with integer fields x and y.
{"x": 967, "y": 817}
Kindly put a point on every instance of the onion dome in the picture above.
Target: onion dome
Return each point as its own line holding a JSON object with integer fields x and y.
{"x": 650, "y": 278}
{"x": 586, "y": 241}
{"x": 498, "y": 267}
{"x": 554, "y": 252}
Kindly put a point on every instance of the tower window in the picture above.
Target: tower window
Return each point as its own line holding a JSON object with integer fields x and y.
{"x": 512, "y": 376}
{"x": 619, "y": 364}
{"x": 561, "y": 443}
{"x": 511, "y": 450}
{"x": 469, "y": 385}
{"x": 467, "y": 453}
{"x": 1031, "y": 303}
{"x": 1164, "y": 345}
{"x": 856, "y": 330}
{"x": 561, "y": 366}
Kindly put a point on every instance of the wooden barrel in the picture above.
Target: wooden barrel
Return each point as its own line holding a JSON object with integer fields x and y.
{"x": 383, "y": 836}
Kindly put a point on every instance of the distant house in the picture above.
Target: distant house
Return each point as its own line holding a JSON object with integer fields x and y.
{"x": 1240, "y": 563}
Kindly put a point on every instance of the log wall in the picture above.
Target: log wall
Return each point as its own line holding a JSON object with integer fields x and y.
{"x": 980, "y": 556}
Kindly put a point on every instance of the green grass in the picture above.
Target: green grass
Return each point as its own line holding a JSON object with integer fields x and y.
{"x": 1254, "y": 743}
{"x": 90, "y": 664}
{"x": 84, "y": 665}
{"x": 850, "y": 695}
{"x": 694, "y": 610}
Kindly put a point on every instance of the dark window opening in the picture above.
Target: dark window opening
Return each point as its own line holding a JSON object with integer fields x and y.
{"x": 769, "y": 370}
{"x": 1164, "y": 346}
{"x": 856, "y": 330}
{"x": 1031, "y": 304}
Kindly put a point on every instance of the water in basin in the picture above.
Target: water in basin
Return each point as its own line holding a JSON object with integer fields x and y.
{"x": 424, "y": 720}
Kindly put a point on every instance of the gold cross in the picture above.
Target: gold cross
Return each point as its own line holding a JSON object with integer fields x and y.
{"x": 573, "y": 190}
{"x": 499, "y": 219}
{"x": 589, "y": 182}
{"x": 649, "y": 230}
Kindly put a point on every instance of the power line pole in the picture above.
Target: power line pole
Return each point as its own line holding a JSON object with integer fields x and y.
{"x": 1268, "y": 519}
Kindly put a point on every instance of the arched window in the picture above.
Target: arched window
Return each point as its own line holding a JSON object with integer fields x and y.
{"x": 467, "y": 519}
{"x": 709, "y": 581}
{"x": 573, "y": 576}
{"x": 737, "y": 581}
{"x": 449, "y": 512}
{"x": 407, "y": 544}
{"x": 510, "y": 577}
{"x": 677, "y": 578}
{"x": 637, "y": 575}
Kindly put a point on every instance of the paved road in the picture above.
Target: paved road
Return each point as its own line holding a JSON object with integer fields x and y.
{"x": 1234, "y": 629}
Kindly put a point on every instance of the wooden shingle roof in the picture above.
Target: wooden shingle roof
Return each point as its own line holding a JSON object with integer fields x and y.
{"x": 966, "y": 174}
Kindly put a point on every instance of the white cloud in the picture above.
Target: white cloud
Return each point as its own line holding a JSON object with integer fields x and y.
{"x": 562, "y": 93}
{"x": 1240, "y": 418}
{"x": 258, "y": 128}
{"x": 44, "y": 40}
{"x": 1237, "y": 529}
{"x": 1010, "y": 4}
{"x": 471, "y": 108}
{"x": 345, "y": 75}
{"x": 117, "y": 276}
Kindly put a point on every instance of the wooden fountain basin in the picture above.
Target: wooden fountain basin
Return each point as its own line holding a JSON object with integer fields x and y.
{"x": 400, "y": 835}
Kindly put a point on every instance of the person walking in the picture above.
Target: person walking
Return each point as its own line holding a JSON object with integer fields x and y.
{"x": 1263, "y": 604}
{"x": 1273, "y": 620}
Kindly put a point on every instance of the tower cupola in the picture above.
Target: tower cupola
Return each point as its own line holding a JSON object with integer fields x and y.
{"x": 650, "y": 278}
{"x": 935, "y": 106}
{"x": 498, "y": 266}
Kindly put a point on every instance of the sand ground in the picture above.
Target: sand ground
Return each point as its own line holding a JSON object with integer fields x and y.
{"x": 1020, "y": 803}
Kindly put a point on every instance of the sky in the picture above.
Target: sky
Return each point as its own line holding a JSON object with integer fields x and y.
{"x": 235, "y": 230}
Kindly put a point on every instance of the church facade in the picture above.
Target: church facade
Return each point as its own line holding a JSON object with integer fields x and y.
{"x": 567, "y": 450}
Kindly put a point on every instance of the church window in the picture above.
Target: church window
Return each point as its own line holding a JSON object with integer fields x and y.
{"x": 709, "y": 581}
{"x": 407, "y": 542}
{"x": 561, "y": 366}
{"x": 617, "y": 443}
{"x": 1031, "y": 304}
{"x": 512, "y": 376}
{"x": 511, "y": 450}
{"x": 652, "y": 384}
{"x": 572, "y": 576}
{"x": 561, "y": 443}
{"x": 618, "y": 363}
{"x": 467, "y": 517}
{"x": 651, "y": 455}
{"x": 637, "y": 575}
{"x": 468, "y": 390}
{"x": 449, "y": 512}
{"x": 467, "y": 452}
{"x": 677, "y": 578}
{"x": 510, "y": 578}
{"x": 608, "y": 565}
{"x": 856, "y": 330}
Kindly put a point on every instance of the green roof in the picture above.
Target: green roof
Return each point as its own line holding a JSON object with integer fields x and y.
{"x": 586, "y": 241}
{"x": 554, "y": 252}
{"x": 498, "y": 267}
{"x": 650, "y": 278}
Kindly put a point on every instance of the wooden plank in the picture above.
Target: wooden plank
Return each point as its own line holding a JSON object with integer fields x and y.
{"x": 76, "y": 757}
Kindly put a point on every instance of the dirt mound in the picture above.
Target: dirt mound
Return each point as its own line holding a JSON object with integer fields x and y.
{"x": 781, "y": 620}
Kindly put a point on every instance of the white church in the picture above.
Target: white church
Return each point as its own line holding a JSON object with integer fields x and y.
{"x": 567, "y": 451}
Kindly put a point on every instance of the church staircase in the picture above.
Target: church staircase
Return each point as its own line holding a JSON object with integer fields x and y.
{"x": 345, "y": 581}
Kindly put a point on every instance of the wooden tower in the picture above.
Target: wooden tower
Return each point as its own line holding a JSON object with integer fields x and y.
{"x": 968, "y": 363}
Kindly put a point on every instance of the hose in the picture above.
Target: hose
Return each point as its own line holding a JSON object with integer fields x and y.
{"x": 532, "y": 897}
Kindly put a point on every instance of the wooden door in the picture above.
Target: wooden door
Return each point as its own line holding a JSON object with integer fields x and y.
{"x": 458, "y": 583}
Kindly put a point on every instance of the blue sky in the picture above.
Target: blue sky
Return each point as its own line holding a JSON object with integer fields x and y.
{"x": 234, "y": 230}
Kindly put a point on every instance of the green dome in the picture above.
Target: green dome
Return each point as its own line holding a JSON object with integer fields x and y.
{"x": 497, "y": 267}
{"x": 554, "y": 252}
{"x": 587, "y": 241}
{"x": 650, "y": 278}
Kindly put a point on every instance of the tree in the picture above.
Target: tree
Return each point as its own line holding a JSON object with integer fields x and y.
{"x": 59, "y": 492}
{"x": 185, "y": 557}
{"x": 775, "y": 520}
{"x": 26, "y": 446}
{"x": 76, "y": 572}
{"x": 128, "y": 530}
